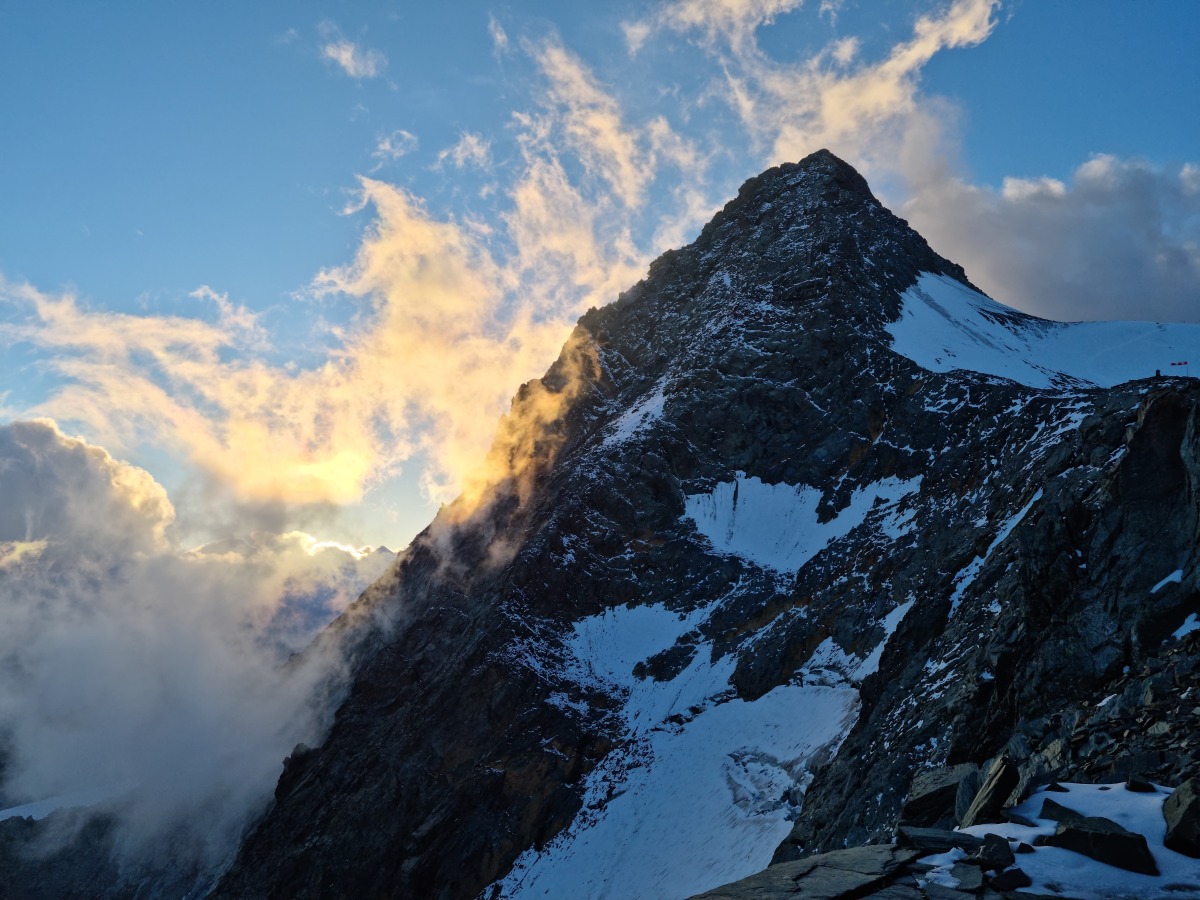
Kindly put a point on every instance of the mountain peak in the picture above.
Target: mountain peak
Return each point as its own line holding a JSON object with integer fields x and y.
{"x": 820, "y": 177}
{"x": 835, "y": 170}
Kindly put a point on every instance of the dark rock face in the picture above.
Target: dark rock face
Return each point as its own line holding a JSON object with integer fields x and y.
{"x": 760, "y": 352}
{"x": 980, "y": 598}
{"x": 999, "y": 781}
{"x": 933, "y": 795}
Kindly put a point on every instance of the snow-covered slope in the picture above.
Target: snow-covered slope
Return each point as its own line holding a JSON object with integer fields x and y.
{"x": 704, "y": 785}
{"x": 945, "y": 325}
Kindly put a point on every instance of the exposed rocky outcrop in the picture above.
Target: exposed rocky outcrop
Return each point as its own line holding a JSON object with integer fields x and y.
{"x": 1072, "y": 855}
{"x": 760, "y": 352}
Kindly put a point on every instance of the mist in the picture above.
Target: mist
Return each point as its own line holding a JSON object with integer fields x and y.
{"x": 143, "y": 680}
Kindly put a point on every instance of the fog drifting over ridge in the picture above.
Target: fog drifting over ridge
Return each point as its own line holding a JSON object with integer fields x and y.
{"x": 147, "y": 676}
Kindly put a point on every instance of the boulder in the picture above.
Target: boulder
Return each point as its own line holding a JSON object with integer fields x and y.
{"x": 968, "y": 787}
{"x": 857, "y": 872}
{"x": 1010, "y": 880}
{"x": 933, "y": 795}
{"x": 1139, "y": 785}
{"x": 999, "y": 780}
{"x": 995, "y": 855}
{"x": 1182, "y": 812}
{"x": 1056, "y": 812}
{"x": 936, "y": 840}
{"x": 969, "y": 877}
{"x": 1101, "y": 839}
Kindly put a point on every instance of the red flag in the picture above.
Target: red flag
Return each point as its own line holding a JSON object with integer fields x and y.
{"x": 1184, "y": 363}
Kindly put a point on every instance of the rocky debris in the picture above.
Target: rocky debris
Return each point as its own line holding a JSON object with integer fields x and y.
{"x": 1182, "y": 812}
{"x": 995, "y": 855}
{"x": 858, "y": 872}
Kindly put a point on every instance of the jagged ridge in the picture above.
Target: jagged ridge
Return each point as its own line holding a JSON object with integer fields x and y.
{"x": 756, "y": 357}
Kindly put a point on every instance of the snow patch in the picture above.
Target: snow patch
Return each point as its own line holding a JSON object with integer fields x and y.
{"x": 891, "y": 621}
{"x": 775, "y": 525}
{"x": 704, "y": 805}
{"x": 1059, "y": 872}
{"x": 945, "y": 325}
{"x": 967, "y": 575}
{"x": 639, "y": 418}
{"x": 39, "y": 809}
{"x": 1174, "y": 578}
{"x": 1190, "y": 624}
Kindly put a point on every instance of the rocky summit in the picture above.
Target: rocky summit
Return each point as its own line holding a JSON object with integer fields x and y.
{"x": 802, "y": 556}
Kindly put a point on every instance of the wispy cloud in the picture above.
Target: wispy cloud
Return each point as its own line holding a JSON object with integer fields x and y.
{"x": 591, "y": 122}
{"x": 471, "y": 150}
{"x": 447, "y": 331}
{"x": 500, "y": 44}
{"x": 862, "y": 109}
{"x": 353, "y": 59}
{"x": 395, "y": 145}
{"x": 717, "y": 22}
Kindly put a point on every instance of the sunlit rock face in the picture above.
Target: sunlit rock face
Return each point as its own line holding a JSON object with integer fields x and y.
{"x": 797, "y": 536}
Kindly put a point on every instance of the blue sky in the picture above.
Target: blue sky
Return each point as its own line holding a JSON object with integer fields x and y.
{"x": 293, "y": 259}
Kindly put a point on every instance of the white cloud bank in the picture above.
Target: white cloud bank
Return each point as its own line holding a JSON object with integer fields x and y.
{"x": 1121, "y": 241}
{"x": 155, "y": 677}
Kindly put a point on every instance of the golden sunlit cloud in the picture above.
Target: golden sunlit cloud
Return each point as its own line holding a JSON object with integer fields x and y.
{"x": 447, "y": 334}
{"x": 456, "y": 314}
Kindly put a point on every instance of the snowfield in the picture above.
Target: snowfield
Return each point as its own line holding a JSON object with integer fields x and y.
{"x": 775, "y": 525}
{"x": 944, "y": 325}
{"x": 690, "y": 803}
